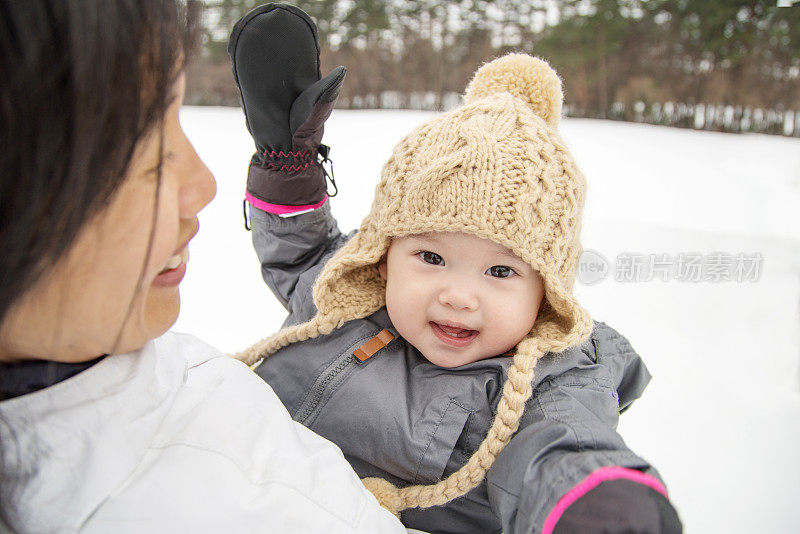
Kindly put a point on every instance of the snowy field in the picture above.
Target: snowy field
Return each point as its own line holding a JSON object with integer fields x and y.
{"x": 721, "y": 418}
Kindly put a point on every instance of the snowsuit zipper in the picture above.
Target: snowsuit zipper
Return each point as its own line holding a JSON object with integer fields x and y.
{"x": 346, "y": 361}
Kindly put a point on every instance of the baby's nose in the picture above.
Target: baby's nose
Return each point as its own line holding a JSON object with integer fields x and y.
{"x": 459, "y": 297}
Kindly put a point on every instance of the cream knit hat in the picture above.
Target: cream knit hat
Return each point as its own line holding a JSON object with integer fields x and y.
{"x": 495, "y": 168}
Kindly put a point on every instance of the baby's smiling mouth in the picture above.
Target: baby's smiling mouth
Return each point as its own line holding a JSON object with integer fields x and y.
{"x": 456, "y": 336}
{"x": 454, "y": 331}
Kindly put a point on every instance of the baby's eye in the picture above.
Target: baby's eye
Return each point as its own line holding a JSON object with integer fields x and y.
{"x": 500, "y": 271}
{"x": 431, "y": 257}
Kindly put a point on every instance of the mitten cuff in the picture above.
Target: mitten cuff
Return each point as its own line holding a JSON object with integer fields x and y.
{"x": 296, "y": 184}
{"x": 614, "y": 500}
{"x": 282, "y": 210}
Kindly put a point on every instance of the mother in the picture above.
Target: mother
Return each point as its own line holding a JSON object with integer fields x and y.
{"x": 106, "y": 423}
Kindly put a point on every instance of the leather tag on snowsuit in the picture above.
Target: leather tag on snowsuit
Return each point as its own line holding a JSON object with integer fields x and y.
{"x": 365, "y": 351}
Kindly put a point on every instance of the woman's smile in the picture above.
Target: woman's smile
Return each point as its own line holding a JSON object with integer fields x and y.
{"x": 175, "y": 270}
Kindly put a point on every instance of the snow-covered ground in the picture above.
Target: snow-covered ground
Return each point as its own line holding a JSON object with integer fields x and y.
{"x": 721, "y": 418}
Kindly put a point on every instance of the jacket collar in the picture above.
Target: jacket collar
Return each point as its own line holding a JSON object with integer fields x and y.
{"x": 29, "y": 376}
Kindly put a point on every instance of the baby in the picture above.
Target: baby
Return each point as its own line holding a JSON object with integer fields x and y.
{"x": 440, "y": 346}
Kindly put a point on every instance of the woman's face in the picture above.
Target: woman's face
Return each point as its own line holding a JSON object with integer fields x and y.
{"x": 107, "y": 294}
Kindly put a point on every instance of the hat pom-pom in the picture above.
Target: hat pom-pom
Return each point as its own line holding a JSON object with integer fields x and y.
{"x": 526, "y": 77}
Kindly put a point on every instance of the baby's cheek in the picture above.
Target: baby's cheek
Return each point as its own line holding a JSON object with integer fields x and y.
{"x": 405, "y": 317}
{"x": 515, "y": 323}
{"x": 397, "y": 310}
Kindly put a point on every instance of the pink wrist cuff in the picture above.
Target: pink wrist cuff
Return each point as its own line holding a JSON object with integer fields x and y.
{"x": 592, "y": 481}
{"x": 283, "y": 211}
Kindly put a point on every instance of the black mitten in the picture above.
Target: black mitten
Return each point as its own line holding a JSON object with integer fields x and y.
{"x": 274, "y": 50}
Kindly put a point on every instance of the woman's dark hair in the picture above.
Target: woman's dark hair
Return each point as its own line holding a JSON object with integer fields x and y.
{"x": 81, "y": 82}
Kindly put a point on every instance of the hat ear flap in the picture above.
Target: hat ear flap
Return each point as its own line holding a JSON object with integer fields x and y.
{"x": 350, "y": 285}
{"x": 561, "y": 322}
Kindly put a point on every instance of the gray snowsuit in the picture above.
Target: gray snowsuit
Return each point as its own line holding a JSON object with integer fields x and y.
{"x": 399, "y": 417}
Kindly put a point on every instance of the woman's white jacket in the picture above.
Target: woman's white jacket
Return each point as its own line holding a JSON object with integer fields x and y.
{"x": 175, "y": 437}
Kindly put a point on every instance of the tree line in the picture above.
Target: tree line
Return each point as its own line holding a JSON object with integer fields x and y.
{"x": 723, "y": 65}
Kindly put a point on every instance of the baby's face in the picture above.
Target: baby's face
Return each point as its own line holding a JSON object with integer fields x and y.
{"x": 459, "y": 298}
